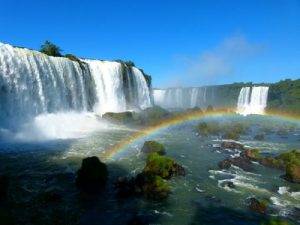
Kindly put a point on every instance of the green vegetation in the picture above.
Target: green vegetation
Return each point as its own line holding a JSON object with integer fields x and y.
{"x": 159, "y": 165}
{"x": 50, "y": 49}
{"x": 153, "y": 146}
{"x": 285, "y": 96}
{"x": 153, "y": 186}
{"x": 231, "y": 134}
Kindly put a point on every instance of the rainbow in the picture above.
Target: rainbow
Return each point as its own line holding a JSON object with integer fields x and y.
{"x": 176, "y": 120}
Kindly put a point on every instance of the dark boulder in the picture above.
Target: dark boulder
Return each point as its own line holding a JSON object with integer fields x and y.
{"x": 240, "y": 162}
{"x": 92, "y": 175}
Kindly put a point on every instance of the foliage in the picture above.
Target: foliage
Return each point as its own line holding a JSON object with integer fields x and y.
{"x": 153, "y": 186}
{"x": 285, "y": 96}
{"x": 159, "y": 165}
{"x": 50, "y": 49}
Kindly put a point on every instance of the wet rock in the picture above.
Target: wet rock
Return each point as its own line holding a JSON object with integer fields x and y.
{"x": 252, "y": 154}
{"x": 122, "y": 117}
{"x": 257, "y": 206}
{"x": 240, "y": 162}
{"x": 153, "y": 146}
{"x": 232, "y": 145}
{"x": 92, "y": 175}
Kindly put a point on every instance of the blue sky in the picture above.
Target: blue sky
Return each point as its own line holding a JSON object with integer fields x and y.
{"x": 190, "y": 43}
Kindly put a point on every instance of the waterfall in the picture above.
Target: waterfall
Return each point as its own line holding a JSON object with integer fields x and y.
{"x": 194, "y": 95}
{"x": 183, "y": 98}
{"x": 32, "y": 83}
{"x": 254, "y": 103}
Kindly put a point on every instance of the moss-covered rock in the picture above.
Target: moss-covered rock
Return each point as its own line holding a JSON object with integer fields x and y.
{"x": 162, "y": 166}
{"x": 92, "y": 175}
{"x": 122, "y": 117}
{"x": 153, "y": 146}
{"x": 152, "y": 115}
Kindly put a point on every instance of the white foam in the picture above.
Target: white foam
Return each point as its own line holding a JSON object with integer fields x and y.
{"x": 60, "y": 126}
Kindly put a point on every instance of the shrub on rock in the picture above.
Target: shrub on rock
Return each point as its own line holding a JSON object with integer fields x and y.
{"x": 293, "y": 173}
{"x": 153, "y": 146}
{"x": 92, "y": 175}
{"x": 162, "y": 166}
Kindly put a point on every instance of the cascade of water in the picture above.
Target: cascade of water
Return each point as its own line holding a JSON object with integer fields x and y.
{"x": 32, "y": 83}
{"x": 194, "y": 96}
{"x": 254, "y": 103}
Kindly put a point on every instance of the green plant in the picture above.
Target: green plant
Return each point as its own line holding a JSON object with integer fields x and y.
{"x": 50, "y": 49}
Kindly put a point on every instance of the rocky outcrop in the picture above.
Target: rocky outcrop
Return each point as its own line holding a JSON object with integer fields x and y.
{"x": 121, "y": 117}
{"x": 153, "y": 146}
{"x": 92, "y": 175}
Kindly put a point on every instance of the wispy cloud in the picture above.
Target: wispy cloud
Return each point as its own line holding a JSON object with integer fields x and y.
{"x": 217, "y": 62}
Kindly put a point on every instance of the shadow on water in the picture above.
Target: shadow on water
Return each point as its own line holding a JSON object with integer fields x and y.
{"x": 43, "y": 191}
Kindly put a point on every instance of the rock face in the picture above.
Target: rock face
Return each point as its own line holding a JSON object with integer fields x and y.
{"x": 153, "y": 146}
{"x": 257, "y": 206}
{"x": 92, "y": 175}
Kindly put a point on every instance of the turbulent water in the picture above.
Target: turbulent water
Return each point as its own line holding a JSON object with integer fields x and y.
{"x": 200, "y": 197}
{"x": 252, "y": 100}
{"x": 32, "y": 84}
{"x": 183, "y": 98}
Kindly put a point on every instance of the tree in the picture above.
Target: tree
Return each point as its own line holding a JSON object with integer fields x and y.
{"x": 50, "y": 49}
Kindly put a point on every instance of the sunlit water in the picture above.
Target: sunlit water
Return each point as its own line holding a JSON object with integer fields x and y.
{"x": 198, "y": 198}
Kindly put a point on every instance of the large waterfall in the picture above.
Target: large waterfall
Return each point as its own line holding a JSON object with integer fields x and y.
{"x": 252, "y": 100}
{"x": 32, "y": 83}
{"x": 183, "y": 98}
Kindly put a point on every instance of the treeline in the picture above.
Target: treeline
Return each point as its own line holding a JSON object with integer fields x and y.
{"x": 285, "y": 96}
